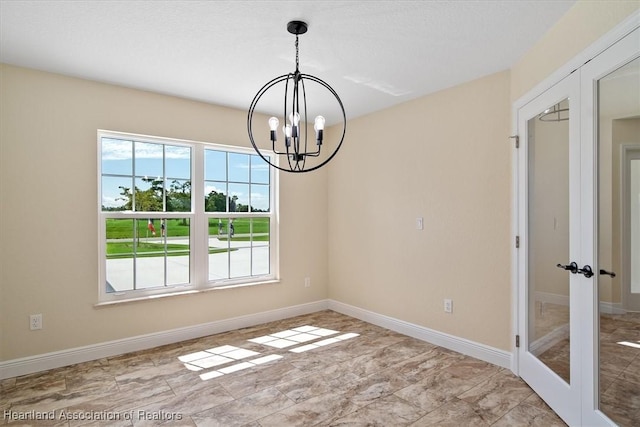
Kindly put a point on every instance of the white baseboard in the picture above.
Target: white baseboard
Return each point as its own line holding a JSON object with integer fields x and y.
{"x": 612, "y": 308}
{"x": 479, "y": 351}
{"x": 57, "y": 359}
{"x": 605, "y": 307}
{"x": 552, "y": 298}
{"x": 547, "y": 341}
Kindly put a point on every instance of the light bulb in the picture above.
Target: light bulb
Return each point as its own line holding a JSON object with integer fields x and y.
{"x": 287, "y": 135}
{"x": 294, "y": 118}
{"x": 273, "y": 125}
{"x": 319, "y": 123}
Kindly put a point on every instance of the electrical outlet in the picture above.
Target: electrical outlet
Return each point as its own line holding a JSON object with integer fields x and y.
{"x": 307, "y": 282}
{"x": 419, "y": 223}
{"x": 35, "y": 322}
{"x": 448, "y": 306}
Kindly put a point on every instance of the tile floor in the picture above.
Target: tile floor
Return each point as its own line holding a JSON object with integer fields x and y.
{"x": 323, "y": 369}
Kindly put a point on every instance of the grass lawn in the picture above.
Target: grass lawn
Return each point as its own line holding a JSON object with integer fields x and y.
{"x": 116, "y": 250}
{"x": 124, "y": 228}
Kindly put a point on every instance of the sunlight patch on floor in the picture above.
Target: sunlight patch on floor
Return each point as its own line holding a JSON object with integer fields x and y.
{"x": 227, "y": 354}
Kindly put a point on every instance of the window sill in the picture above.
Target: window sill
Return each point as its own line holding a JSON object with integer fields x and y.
{"x": 182, "y": 293}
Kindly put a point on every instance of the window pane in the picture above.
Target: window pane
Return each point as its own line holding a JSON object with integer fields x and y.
{"x": 259, "y": 198}
{"x": 148, "y": 195}
{"x": 259, "y": 170}
{"x": 179, "y": 196}
{"x": 215, "y": 196}
{"x": 219, "y": 231}
{"x": 177, "y": 243}
{"x": 240, "y": 253}
{"x": 215, "y": 164}
{"x": 117, "y": 157}
{"x": 260, "y": 260}
{"x": 119, "y": 254}
{"x": 116, "y": 193}
{"x": 261, "y": 232}
{"x": 261, "y": 235}
{"x": 238, "y": 167}
{"x": 178, "y": 162}
{"x": 148, "y": 159}
{"x": 239, "y": 197}
{"x": 240, "y": 262}
{"x": 240, "y": 229}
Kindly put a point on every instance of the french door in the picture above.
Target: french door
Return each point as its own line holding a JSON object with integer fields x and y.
{"x": 550, "y": 243}
{"x": 569, "y": 214}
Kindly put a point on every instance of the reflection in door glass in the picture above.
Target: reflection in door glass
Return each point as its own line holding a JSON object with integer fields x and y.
{"x": 618, "y": 239}
{"x": 548, "y": 237}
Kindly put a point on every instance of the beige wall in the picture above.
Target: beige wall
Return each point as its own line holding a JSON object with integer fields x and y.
{"x": 445, "y": 157}
{"x": 49, "y": 261}
{"x": 582, "y": 25}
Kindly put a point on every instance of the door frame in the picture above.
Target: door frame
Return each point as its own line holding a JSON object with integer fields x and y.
{"x": 590, "y": 371}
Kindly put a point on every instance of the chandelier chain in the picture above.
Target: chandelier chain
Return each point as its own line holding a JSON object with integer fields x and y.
{"x": 297, "y": 61}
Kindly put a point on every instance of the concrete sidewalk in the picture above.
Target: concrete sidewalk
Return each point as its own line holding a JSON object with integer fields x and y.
{"x": 150, "y": 271}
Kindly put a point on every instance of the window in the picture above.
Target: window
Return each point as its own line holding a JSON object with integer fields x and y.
{"x": 179, "y": 216}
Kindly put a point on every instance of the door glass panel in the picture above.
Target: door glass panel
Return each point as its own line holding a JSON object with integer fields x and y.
{"x": 618, "y": 240}
{"x": 548, "y": 238}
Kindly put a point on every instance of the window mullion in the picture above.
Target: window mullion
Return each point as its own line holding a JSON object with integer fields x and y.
{"x": 200, "y": 228}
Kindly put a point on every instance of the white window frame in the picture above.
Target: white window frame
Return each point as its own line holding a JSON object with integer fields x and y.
{"x": 199, "y": 237}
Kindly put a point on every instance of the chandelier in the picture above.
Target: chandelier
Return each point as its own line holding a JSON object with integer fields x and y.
{"x": 554, "y": 114}
{"x": 300, "y": 144}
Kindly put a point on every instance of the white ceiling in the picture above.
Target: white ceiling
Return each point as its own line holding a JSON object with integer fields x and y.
{"x": 374, "y": 53}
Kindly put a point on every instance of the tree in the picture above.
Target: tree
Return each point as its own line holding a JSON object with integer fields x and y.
{"x": 215, "y": 202}
{"x": 179, "y": 196}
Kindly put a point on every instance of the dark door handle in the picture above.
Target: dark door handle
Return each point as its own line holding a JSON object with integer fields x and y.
{"x": 610, "y": 273}
{"x": 573, "y": 267}
{"x": 587, "y": 271}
